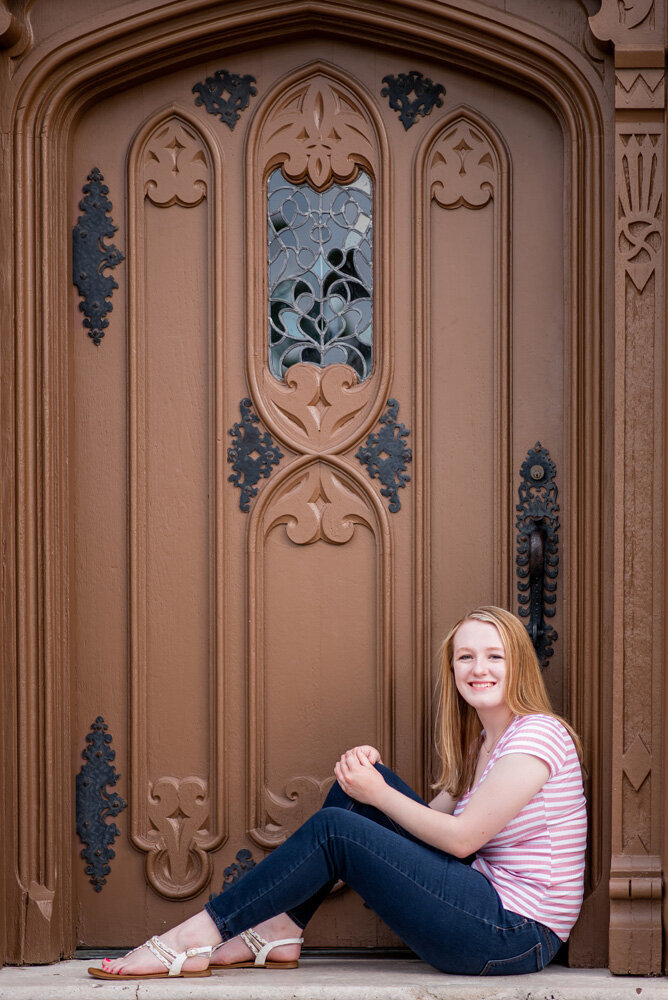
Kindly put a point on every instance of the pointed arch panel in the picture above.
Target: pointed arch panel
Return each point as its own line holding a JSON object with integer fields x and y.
{"x": 177, "y": 806}
{"x": 319, "y": 573}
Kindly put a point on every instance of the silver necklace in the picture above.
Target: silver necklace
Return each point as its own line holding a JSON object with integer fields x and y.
{"x": 488, "y": 752}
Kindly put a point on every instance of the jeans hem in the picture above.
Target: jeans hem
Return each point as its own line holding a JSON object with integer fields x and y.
{"x": 221, "y": 926}
{"x": 295, "y": 920}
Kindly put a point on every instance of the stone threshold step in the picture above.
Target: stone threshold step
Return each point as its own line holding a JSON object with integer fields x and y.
{"x": 330, "y": 979}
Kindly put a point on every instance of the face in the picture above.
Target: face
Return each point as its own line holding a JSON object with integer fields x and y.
{"x": 479, "y": 665}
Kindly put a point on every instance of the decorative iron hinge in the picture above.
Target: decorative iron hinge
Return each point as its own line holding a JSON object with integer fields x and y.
{"x": 252, "y": 455}
{"x": 538, "y": 548}
{"x": 386, "y": 456}
{"x": 94, "y": 803}
{"x": 91, "y": 256}
{"x": 427, "y": 95}
{"x": 234, "y": 872}
{"x": 239, "y": 88}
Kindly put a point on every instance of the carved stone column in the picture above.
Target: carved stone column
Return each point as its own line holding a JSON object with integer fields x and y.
{"x": 636, "y": 28}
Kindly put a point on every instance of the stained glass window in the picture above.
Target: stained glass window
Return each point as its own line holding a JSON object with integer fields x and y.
{"x": 320, "y": 249}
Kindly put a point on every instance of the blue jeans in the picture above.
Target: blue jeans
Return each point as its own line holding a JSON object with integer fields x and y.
{"x": 446, "y": 911}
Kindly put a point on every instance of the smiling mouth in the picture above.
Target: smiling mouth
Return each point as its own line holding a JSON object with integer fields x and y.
{"x": 482, "y": 684}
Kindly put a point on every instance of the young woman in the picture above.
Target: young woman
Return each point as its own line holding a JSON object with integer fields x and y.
{"x": 510, "y": 794}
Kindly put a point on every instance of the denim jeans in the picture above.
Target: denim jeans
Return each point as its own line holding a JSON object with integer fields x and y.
{"x": 444, "y": 910}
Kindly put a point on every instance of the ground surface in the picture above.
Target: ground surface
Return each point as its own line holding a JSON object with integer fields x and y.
{"x": 331, "y": 979}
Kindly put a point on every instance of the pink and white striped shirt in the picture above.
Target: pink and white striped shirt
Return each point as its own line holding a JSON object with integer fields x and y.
{"x": 536, "y": 863}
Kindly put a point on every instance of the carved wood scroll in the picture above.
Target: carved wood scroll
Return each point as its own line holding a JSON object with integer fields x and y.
{"x": 175, "y": 821}
{"x": 636, "y": 877}
{"x": 286, "y": 813}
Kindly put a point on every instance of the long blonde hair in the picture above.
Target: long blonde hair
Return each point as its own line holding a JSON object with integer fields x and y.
{"x": 459, "y": 728}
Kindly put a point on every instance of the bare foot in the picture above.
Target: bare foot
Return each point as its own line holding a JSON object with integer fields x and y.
{"x": 281, "y": 926}
{"x": 196, "y": 932}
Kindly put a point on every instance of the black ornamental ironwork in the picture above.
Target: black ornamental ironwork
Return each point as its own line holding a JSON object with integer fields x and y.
{"x": 427, "y": 95}
{"x": 244, "y": 862}
{"x": 94, "y": 803}
{"x": 538, "y": 549}
{"x": 91, "y": 256}
{"x": 252, "y": 454}
{"x": 211, "y": 93}
{"x": 386, "y": 455}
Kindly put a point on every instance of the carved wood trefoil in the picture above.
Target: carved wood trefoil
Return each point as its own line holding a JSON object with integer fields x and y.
{"x": 252, "y": 455}
{"x": 317, "y": 504}
{"x": 94, "y": 803}
{"x": 463, "y": 167}
{"x": 319, "y": 134}
{"x": 427, "y": 95}
{"x": 177, "y": 862}
{"x": 315, "y": 406}
{"x": 91, "y": 256}
{"x": 386, "y": 455}
{"x": 239, "y": 90}
{"x": 538, "y": 548}
{"x": 175, "y": 168}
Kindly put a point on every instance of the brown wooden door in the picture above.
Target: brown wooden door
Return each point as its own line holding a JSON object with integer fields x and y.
{"x": 235, "y": 644}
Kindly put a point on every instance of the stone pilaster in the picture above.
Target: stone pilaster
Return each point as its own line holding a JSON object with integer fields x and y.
{"x": 636, "y": 30}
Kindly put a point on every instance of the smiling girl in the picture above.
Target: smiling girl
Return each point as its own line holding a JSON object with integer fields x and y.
{"x": 510, "y": 793}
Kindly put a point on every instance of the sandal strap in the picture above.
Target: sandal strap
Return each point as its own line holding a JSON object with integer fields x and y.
{"x": 260, "y": 947}
{"x": 172, "y": 960}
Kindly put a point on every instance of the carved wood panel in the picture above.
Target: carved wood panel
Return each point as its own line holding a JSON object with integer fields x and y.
{"x": 317, "y": 128}
{"x": 314, "y": 502}
{"x": 174, "y": 167}
{"x": 462, "y": 167}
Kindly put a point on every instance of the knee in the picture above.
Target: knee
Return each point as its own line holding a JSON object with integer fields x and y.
{"x": 331, "y": 820}
{"x": 336, "y": 797}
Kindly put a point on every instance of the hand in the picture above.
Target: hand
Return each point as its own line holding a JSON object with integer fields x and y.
{"x": 359, "y": 778}
{"x": 367, "y": 751}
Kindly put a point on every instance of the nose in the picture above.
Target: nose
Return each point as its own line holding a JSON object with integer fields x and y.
{"x": 479, "y": 665}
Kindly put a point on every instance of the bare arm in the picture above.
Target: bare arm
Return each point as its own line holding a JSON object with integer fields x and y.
{"x": 511, "y": 783}
{"x": 443, "y": 802}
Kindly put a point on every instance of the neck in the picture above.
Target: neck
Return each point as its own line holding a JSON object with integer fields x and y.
{"x": 494, "y": 722}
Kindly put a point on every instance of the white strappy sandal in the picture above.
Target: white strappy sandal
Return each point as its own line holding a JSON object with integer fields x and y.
{"x": 260, "y": 949}
{"x": 172, "y": 961}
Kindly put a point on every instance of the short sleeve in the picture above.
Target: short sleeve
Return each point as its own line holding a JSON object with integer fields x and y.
{"x": 541, "y": 736}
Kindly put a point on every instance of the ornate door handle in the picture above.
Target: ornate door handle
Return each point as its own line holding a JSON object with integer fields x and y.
{"x": 538, "y": 549}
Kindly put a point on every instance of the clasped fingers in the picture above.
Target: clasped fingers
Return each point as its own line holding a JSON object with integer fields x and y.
{"x": 363, "y": 753}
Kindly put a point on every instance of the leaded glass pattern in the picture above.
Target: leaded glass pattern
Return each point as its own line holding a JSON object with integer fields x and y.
{"x": 320, "y": 260}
